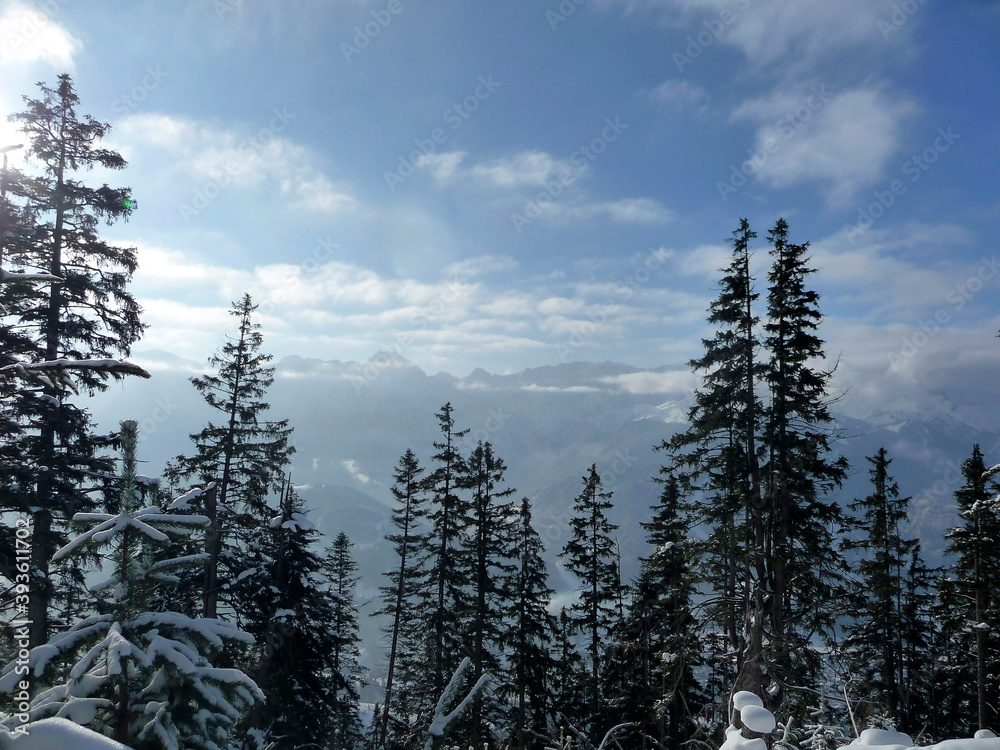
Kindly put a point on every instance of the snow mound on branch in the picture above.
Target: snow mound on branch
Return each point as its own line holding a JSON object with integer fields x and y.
{"x": 885, "y": 739}
{"x": 882, "y": 737}
{"x": 736, "y": 741}
{"x": 57, "y": 733}
{"x": 745, "y": 698}
{"x": 757, "y": 719}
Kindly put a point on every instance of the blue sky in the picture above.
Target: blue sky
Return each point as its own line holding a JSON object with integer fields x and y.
{"x": 519, "y": 184}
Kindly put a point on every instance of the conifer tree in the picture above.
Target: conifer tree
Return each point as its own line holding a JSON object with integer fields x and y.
{"x": 490, "y": 553}
{"x": 341, "y": 571}
{"x": 143, "y": 677}
{"x": 806, "y": 575}
{"x": 888, "y": 612}
{"x": 405, "y": 595}
{"x": 974, "y": 575}
{"x": 88, "y": 315}
{"x": 293, "y": 616}
{"x": 720, "y": 455}
{"x": 449, "y": 563}
{"x": 243, "y": 453}
{"x": 591, "y": 556}
{"x": 529, "y": 638}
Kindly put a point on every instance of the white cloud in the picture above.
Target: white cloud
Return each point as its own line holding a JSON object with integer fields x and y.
{"x": 679, "y": 94}
{"x": 229, "y": 157}
{"x": 841, "y": 140}
{"x": 27, "y": 34}
{"x": 527, "y": 169}
{"x": 481, "y": 266}
{"x": 646, "y": 381}
{"x": 441, "y": 166}
{"x": 354, "y": 470}
{"x": 625, "y": 211}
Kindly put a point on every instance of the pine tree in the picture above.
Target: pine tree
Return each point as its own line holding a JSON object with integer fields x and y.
{"x": 341, "y": 570}
{"x": 244, "y": 453}
{"x": 569, "y": 678}
{"x": 143, "y": 677}
{"x": 806, "y": 575}
{"x": 591, "y": 556}
{"x": 449, "y": 564}
{"x": 662, "y": 631}
{"x": 489, "y": 549}
{"x": 529, "y": 639}
{"x": 720, "y": 455}
{"x": 974, "y": 575}
{"x": 88, "y": 315}
{"x": 406, "y": 594}
{"x": 294, "y": 618}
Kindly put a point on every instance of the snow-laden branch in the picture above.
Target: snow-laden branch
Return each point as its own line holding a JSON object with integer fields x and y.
{"x": 55, "y": 372}
{"x": 11, "y": 277}
{"x": 441, "y": 720}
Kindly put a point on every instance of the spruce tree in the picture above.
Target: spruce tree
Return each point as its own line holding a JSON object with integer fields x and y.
{"x": 88, "y": 315}
{"x": 142, "y": 677}
{"x": 296, "y": 621}
{"x": 341, "y": 571}
{"x": 720, "y": 455}
{"x": 489, "y": 549}
{"x": 591, "y": 556}
{"x": 806, "y": 575}
{"x": 243, "y": 453}
{"x": 973, "y": 577}
{"x": 405, "y": 595}
{"x": 449, "y": 563}
{"x": 529, "y": 638}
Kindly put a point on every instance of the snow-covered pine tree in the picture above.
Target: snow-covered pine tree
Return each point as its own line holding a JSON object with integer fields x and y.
{"x": 142, "y": 677}
{"x": 591, "y": 555}
{"x": 529, "y": 638}
{"x": 88, "y": 315}
{"x": 489, "y": 550}
{"x": 244, "y": 454}
{"x": 405, "y": 595}
{"x": 292, "y": 615}
{"x": 806, "y": 575}
{"x": 974, "y": 576}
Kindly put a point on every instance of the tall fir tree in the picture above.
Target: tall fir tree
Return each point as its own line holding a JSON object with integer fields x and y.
{"x": 89, "y": 314}
{"x": 341, "y": 571}
{"x": 529, "y": 638}
{"x": 406, "y": 593}
{"x": 806, "y": 575}
{"x": 973, "y": 578}
{"x": 490, "y": 554}
{"x": 720, "y": 455}
{"x": 244, "y": 454}
{"x": 591, "y": 556}
{"x": 886, "y": 645}
{"x": 448, "y": 563}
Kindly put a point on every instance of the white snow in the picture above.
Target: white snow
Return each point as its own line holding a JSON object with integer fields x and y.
{"x": 745, "y": 698}
{"x": 49, "y": 734}
{"x": 757, "y": 719}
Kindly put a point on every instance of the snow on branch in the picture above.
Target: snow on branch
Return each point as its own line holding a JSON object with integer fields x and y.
{"x": 54, "y": 372}
{"x": 441, "y": 720}
{"x": 10, "y": 277}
